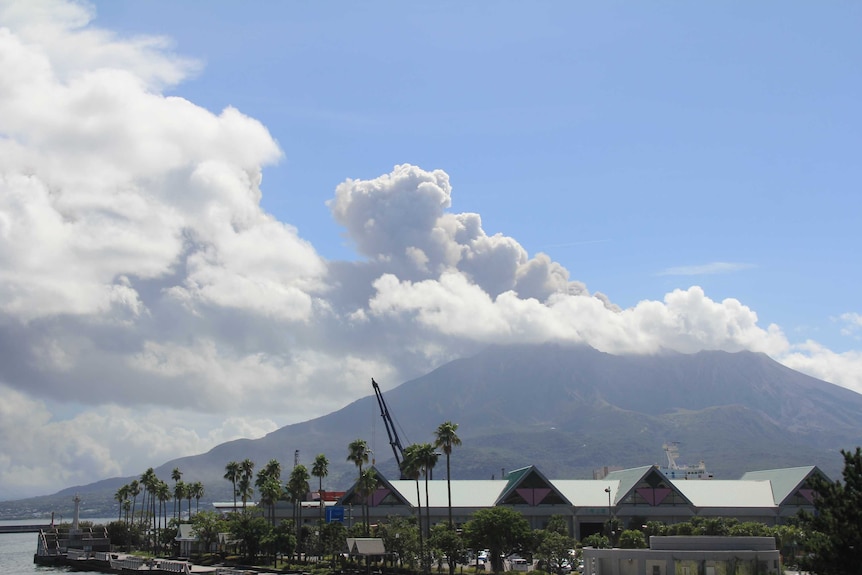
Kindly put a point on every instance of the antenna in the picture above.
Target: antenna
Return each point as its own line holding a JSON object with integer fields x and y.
{"x": 671, "y": 450}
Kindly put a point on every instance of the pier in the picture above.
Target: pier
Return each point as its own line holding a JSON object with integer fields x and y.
{"x": 24, "y": 528}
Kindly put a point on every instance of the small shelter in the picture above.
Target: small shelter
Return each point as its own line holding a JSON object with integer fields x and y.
{"x": 365, "y": 546}
{"x": 187, "y": 538}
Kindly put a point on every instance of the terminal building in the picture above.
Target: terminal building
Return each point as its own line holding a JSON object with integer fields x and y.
{"x": 631, "y": 496}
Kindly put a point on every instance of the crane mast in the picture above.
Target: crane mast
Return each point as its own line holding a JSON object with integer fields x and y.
{"x": 394, "y": 441}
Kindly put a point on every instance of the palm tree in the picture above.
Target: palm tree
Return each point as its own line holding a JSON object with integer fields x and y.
{"x": 232, "y": 474}
{"x": 365, "y": 486}
{"x": 126, "y": 506}
{"x": 197, "y": 493}
{"x": 411, "y": 467}
{"x": 268, "y": 484}
{"x": 446, "y": 438}
{"x": 270, "y": 492}
{"x": 189, "y": 494}
{"x": 134, "y": 491}
{"x": 428, "y": 459}
{"x": 163, "y": 492}
{"x": 271, "y": 469}
{"x": 121, "y": 496}
{"x": 176, "y": 475}
{"x": 245, "y": 490}
{"x": 357, "y": 452}
{"x": 320, "y": 469}
{"x": 297, "y": 487}
{"x": 180, "y": 489}
{"x": 246, "y": 468}
{"x": 149, "y": 481}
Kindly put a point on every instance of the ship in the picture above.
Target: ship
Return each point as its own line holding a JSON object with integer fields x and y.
{"x": 674, "y": 470}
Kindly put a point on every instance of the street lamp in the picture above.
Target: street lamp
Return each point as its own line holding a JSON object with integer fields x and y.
{"x": 608, "y": 491}
{"x": 610, "y": 526}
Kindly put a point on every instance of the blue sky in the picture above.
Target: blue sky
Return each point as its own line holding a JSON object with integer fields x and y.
{"x": 205, "y": 203}
{"x": 624, "y": 140}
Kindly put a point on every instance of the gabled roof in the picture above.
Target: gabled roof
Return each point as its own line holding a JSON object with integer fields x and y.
{"x": 726, "y": 493}
{"x": 467, "y": 493}
{"x": 626, "y": 479}
{"x": 186, "y": 532}
{"x": 385, "y": 492}
{"x": 786, "y": 482}
{"x": 587, "y": 492}
{"x": 650, "y": 484}
{"x": 528, "y": 486}
{"x": 365, "y": 546}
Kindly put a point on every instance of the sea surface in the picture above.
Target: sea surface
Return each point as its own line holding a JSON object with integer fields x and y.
{"x": 17, "y": 550}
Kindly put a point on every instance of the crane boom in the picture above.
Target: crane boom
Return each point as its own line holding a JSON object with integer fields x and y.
{"x": 394, "y": 441}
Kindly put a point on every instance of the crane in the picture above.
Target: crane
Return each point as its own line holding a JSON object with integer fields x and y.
{"x": 394, "y": 441}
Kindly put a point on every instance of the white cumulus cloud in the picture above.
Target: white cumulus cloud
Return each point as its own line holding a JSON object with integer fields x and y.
{"x": 139, "y": 271}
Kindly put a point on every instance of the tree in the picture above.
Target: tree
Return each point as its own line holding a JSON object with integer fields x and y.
{"x": 411, "y": 467}
{"x": 446, "y": 438}
{"x": 357, "y": 453}
{"x": 500, "y": 530}
{"x": 632, "y": 539}
{"x": 401, "y": 538}
{"x": 835, "y": 546}
{"x": 251, "y": 529}
{"x": 597, "y": 540}
{"x": 283, "y": 539}
{"x": 332, "y": 539}
{"x": 553, "y": 548}
{"x": 197, "y": 493}
{"x": 121, "y": 496}
{"x": 176, "y": 476}
{"x": 427, "y": 458}
{"x": 232, "y": 474}
{"x": 557, "y": 523}
{"x": 207, "y": 525}
{"x": 190, "y": 492}
{"x": 163, "y": 492}
{"x": 180, "y": 489}
{"x": 297, "y": 487}
{"x": 134, "y": 491}
{"x": 246, "y": 472}
{"x": 448, "y": 543}
{"x": 320, "y": 469}
{"x": 149, "y": 481}
{"x": 365, "y": 486}
{"x": 271, "y": 469}
{"x": 270, "y": 493}
{"x": 268, "y": 484}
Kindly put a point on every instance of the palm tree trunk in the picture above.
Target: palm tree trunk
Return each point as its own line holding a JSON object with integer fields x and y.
{"x": 419, "y": 523}
{"x": 427, "y": 518}
{"x": 449, "y": 490}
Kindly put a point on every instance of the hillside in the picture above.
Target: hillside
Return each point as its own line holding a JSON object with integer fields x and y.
{"x": 566, "y": 409}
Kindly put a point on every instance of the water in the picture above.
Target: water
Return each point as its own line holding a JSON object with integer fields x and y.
{"x": 17, "y": 549}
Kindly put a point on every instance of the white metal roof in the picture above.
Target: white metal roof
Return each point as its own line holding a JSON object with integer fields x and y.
{"x": 465, "y": 492}
{"x": 784, "y": 481}
{"x": 727, "y": 493}
{"x": 587, "y": 492}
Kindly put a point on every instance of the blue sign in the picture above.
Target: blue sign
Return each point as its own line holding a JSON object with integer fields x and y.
{"x": 335, "y": 514}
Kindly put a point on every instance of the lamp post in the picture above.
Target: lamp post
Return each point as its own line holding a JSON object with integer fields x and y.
{"x": 608, "y": 491}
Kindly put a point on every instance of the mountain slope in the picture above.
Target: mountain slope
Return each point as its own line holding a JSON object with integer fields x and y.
{"x": 570, "y": 410}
